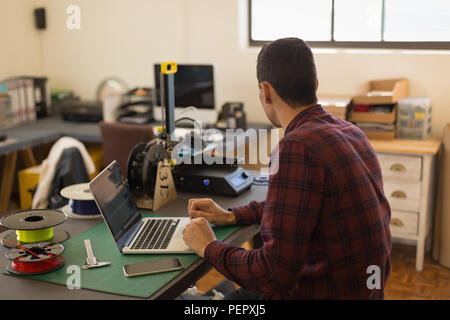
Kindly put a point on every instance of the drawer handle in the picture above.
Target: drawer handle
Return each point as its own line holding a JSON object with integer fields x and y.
{"x": 398, "y": 194}
{"x": 397, "y": 222}
{"x": 398, "y": 167}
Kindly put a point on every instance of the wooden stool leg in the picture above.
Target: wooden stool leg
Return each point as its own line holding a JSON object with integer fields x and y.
{"x": 28, "y": 157}
{"x": 7, "y": 181}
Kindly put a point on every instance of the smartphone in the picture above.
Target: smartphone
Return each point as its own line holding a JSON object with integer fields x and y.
{"x": 149, "y": 267}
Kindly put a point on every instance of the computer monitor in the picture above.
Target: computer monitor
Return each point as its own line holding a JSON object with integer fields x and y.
{"x": 194, "y": 86}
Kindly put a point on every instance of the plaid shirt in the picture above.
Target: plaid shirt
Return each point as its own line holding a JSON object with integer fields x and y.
{"x": 325, "y": 219}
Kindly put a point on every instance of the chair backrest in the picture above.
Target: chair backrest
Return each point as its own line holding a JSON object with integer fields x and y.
{"x": 119, "y": 140}
{"x": 70, "y": 170}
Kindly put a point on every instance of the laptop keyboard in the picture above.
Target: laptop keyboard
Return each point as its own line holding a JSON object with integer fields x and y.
{"x": 156, "y": 234}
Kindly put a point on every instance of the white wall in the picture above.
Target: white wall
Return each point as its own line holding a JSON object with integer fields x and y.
{"x": 117, "y": 38}
{"x": 215, "y": 30}
{"x": 20, "y": 48}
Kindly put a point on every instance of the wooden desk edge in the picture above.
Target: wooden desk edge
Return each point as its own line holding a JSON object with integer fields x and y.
{"x": 429, "y": 146}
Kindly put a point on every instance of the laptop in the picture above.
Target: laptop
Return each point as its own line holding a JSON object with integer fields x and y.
{"x": 132, "y": 233}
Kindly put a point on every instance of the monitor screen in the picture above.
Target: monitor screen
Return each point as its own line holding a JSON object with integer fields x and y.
{"x": 194, "y": 86}
{"x": 115, "y": 201}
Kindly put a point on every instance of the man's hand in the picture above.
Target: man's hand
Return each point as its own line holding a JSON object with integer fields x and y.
{"x": 198, "y": 234}
{"x": 211, "y": 211}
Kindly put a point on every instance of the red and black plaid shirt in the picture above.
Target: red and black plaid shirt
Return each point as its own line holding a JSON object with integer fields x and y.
{"x": 325, "y": 219}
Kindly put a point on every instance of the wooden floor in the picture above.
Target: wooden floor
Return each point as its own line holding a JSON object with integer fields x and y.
{"x": 403, "y": 284}
{"x": 433, "y": 283}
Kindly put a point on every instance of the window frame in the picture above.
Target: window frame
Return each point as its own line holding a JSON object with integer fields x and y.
{"x": 408, "y": 45}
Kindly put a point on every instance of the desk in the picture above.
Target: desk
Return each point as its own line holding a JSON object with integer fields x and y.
{"x": 13, "y": 287}
{"x": 47, "y": 130}
{"x": 409, "y": 174}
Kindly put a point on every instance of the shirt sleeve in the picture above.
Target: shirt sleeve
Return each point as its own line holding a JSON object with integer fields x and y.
{"x": 288, "y": 219}
{"x": 250, "y": 214}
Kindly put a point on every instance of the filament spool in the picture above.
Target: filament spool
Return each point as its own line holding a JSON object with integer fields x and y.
{"x": 27, "y": 236}
{"x": 33, "y": 252}
{"x": 81, "y": 202}
{"x": 33, "y": 268}
{"x": 142, "y": 167}
{"x": 32, "y": 226}
{"x": 79, "y": 191}
{"x": 83, "y": 207}
{"x": 11, "y": 240}
{"x": 36, "y": 258}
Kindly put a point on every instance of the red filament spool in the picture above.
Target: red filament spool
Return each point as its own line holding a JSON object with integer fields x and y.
{"x": 35, "y": 258}
{"x": 37, "y": 267}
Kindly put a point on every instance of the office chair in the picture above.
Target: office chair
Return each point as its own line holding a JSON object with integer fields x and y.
{"x": 120, "y": 138}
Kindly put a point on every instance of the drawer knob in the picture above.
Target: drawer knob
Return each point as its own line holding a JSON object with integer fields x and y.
{"x": 397, "y": 222}
{"x": 398, "y": 167}
{"x": 399, "y": 194}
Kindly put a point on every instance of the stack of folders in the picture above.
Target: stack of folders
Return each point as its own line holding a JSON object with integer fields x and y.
{"x": 376, "y": 127}
{"x": 17, "y": 102}
{"x": 376, "y": 121}
{"x": 5, "y": 107}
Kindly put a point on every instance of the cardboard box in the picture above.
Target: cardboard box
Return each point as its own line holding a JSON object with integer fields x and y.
{"x": 374, "y": 117}
{"x": 387, "y": 91}
{"x": 337, "y": 105}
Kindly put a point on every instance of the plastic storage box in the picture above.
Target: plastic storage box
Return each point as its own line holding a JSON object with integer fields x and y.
{"x": 414, "y": 118}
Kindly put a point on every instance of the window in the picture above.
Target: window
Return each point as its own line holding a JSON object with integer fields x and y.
{"x": 417, "y": 20}
{"x": 409, "y": 24}
{"x": 356, "y": 20}
{"x": 292, "y": 18}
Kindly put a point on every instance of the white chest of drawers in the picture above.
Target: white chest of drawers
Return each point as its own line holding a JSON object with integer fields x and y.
{"x": 409, "y": 175}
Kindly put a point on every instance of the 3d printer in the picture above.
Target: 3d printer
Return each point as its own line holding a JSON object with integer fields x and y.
{"x": 218, "y": 179}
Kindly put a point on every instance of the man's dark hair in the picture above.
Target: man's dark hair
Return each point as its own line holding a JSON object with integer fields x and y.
{"x": 288, "y": 65}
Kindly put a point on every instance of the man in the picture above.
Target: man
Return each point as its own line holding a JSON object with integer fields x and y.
{"x": 325, "y": 219}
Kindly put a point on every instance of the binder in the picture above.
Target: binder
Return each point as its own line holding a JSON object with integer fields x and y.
{"x": 31, "y": 105}
{"x": 5, "y": 106}
{"x": 13, "y": 93}
{"x": 29, "y": 99}
{"x": 41, "y": 96}
{"x": 22, "y": 100}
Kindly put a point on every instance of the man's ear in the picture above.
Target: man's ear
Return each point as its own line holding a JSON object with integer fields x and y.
{"x": 266, "y": 91}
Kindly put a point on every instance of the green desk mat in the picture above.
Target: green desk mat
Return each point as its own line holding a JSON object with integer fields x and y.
{"x": 111, "y": 278}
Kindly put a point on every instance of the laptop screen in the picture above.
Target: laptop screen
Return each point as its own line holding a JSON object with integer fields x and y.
{"x": 115, "y": 201}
